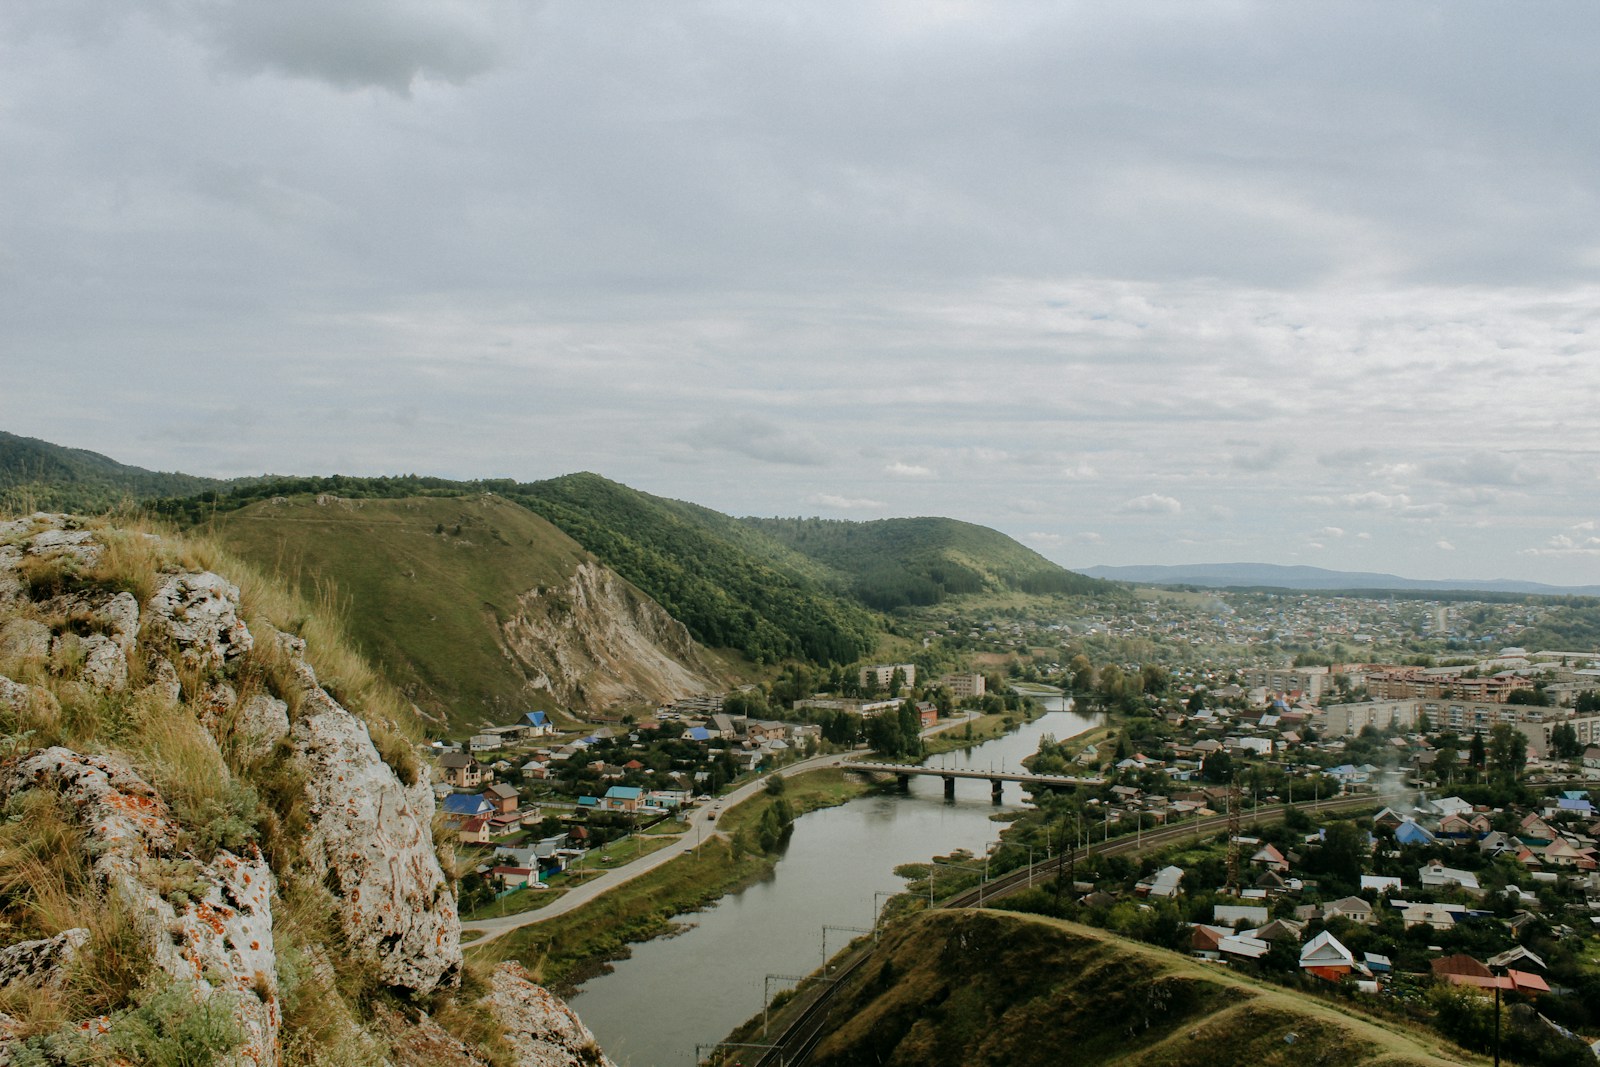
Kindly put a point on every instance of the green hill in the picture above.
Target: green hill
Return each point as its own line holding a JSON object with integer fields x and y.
{"x": 961, "y": 987}
{"x": 732, "y": 588}
{"x": 474, "y": 607}
{"x": 37, "y": 475}
{"x": 892, "y": 563}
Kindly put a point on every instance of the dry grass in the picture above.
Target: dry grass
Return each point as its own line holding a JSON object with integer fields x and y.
{"x": 220, "y": 792}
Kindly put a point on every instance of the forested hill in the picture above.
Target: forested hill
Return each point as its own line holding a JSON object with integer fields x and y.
{"x": 711, "y": 573}
{"x": 37, "y": 475}
{"x": 891, "y": 563}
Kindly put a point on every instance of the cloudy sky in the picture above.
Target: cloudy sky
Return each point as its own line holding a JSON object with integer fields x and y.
{"x": 1134, "y": 283}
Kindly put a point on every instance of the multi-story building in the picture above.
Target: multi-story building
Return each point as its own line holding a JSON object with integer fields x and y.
{"x": 1347, "y": 720}
{"x": 963, "y": 686}
{"x": 1404, "y": 683}
{"x": 879, "y": 675}
{"x": 1310, "y": 682}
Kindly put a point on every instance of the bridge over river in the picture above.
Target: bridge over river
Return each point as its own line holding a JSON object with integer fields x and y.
{"x": 996, "y": 779}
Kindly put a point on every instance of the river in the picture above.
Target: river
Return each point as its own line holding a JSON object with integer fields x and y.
{"x": 654, "y": 1007}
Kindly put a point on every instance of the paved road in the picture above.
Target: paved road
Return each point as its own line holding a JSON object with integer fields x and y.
{"x": 700, "y": 825}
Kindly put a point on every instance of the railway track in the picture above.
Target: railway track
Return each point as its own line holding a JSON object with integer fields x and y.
{"x": 807, "y": 1016}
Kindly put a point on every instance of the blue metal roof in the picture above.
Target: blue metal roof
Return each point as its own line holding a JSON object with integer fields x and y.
{"x": 465, "y": 804}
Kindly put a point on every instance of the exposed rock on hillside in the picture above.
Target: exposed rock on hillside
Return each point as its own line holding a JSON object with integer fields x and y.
{"x": 597, "y": 641}
{"x": 218, "y": 934}
{"x": 373, "y": 836}
{"x": 538, "y": 1025}
{"x": 170, "y": 894}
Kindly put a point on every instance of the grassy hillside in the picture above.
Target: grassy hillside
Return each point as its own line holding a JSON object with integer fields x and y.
{"x": 37, "y": 475}
{"x": 730, "y": 590}
{"x": 425, "y": 585}
{"x": 961, "y": 988}
{"x": 891, "y": 563}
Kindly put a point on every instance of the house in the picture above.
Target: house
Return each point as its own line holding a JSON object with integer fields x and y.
{"x": 513, "y": 877}
{"x": 622, "y": 798}
{"x": 1239, "y": 946}
{"x": 1353, "y": 908}
{"x": 1269, "y": 858}
{"x": 1381, "y": 884}
{"x": 1163, "y": 883}
{"x": 1280, "y": 930}
{"x": 461, "y": 770}
{"x": 1437, "y": 875}
{"x": 1438, "y": 916}
{"x": 536, "y": 724}
{"x": 1327, "y": 958}
{"x": 503, "y": 798}
{"x": 1518, "y": 956}
{"x": 459, "y": 806}
{"x": 475, "y": 831}
{"x": 1378, "y": 964}
{"x": 1459, "y": 964}
{"x": 1410, "y": 833}
{"x": 1388, "y": 819}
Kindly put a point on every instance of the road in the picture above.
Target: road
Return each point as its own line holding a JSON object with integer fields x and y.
{"x": 700, "y": 826}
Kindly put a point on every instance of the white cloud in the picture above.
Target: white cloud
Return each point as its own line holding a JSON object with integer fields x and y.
{"x": 899, "y": 469}
{"x": 1049, "y": 540}
{"x": 1445, "y": 546}
{"x": 1330, "y": 531}
{"x": 844, "y": 503}
{"x": 1150, "y": 504}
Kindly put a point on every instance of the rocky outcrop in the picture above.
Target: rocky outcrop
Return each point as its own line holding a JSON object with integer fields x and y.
{"x": 372, "y": 840}
{"x": 598, "y": 641}
{"x": 199, "y": 612}
{"x": 42, "y": 962}
{"x": 207, "y": 923}
{"x": 539, "y": 1026}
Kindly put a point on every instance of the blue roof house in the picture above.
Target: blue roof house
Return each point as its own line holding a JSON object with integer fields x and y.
{"x": 465, "y": 805}
{"x": 1409, "y": 833}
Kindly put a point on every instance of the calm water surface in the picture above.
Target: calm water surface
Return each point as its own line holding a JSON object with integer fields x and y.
{"x": 672, "y": 993}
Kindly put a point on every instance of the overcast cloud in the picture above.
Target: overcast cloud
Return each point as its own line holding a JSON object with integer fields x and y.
{"x": 1135, "y": 283}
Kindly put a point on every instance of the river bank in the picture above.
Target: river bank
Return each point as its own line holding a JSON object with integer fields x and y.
{"x": 829, "y": 880}
{"x": 569, "y": 949}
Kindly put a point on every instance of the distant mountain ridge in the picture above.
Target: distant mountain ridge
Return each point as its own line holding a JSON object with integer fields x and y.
{"x": 50, "y": 477}
{"x": 1277, "y": 576}
{"x": 891, "y": 563}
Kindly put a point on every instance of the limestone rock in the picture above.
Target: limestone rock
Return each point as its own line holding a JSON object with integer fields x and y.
{"x": 539, "y": 1025}
{"x": 164, "y": 678}
{"x": 598, "y": 641}
{"x": 42, "y": 962}
{"x": 216, "y": 931}
{"x": 79, "y": 545}
{"x": 372, "y": 837}
{"x": 18, "y": 697}
{"x": 10, "y": 582}
{"x": 262, "y": 722}
{"x": 200, "y": 612}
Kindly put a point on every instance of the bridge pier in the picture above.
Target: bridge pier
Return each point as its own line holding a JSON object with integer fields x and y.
{"x": 905, "y": 782}
{"x": 995, "y": 787}
{"x": 949, "y": 787}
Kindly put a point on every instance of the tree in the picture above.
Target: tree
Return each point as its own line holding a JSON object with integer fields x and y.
{"x": 1564, "y": 741}
{"x": 1218, "y": 767}
{"x": 1111, "y": 683}
{"x": 1508, "y": 751}
{"x": 1153, "y": 679}
{"x": 1475, "y": 751}
{"x": 1082, "y": 673}
{"x": 1344, "y": 848}
{"x": 897, "y": 682}
{"x": 1197, "y": 702}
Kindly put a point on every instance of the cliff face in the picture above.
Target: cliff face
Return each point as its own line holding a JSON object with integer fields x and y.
{"x": 597, "y": 641}
{"x": 205, "y": 847}
{"x": 475, "y": 608}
